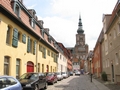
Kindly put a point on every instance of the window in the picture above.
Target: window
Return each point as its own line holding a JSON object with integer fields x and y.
{"x": 110, "y": 36}
{"x": 108, "y": 63}
{"x": 19, "y": 36}
{"x": 28, "y": 45}
{"x": 38, "y": 67}
{"x": 32, "y": 23}
{"x": 48, "y": 52}
{"x": 81, "y": 39}
{"x": 34, "y": 48}
{"x": 40, "y": 48}
{"x": 55, "y": 58}
{"x": 8, "y": 35}
{"x": 42, "y": 32}
{"x": 116, "y": 58}
{"x": 6, "y": 65}
{"x": 31, "y": 45}
{"x": 60, "y": 56}
{"x": 51, "y": 54}
{"x": 49, "y": 39}
{"x": 44, "y": 52}
{"x": 106, "y": 46}
{"x": 17, "y": 68}
{"x": 115, "y": 33}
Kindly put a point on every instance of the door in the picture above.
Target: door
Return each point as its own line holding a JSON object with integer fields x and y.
{"x": 112, "y": 73}
{"x": 30, "y": 66}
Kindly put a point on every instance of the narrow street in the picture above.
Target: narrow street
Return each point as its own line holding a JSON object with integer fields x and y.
{"x": 74, "y": 83}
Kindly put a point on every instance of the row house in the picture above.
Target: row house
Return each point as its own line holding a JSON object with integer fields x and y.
{"x": 111, "y": 44}
{"x": 96, "y": 60}
{"x": 67, "y": 57}
{"x": 106, "y": 56}
{"x": 26, "y": 46}
{"x": 62, "y": 61}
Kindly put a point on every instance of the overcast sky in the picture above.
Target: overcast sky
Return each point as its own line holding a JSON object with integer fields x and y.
{"x": 62, "y": 17}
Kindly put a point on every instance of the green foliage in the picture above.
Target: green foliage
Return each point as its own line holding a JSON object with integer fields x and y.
{"x": 104, "y": 76}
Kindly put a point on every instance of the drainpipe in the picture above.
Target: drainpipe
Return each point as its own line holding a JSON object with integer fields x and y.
{"x": 36, "y": 56}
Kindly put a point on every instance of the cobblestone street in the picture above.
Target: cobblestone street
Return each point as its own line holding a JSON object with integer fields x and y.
{"x": 78, "y": 83}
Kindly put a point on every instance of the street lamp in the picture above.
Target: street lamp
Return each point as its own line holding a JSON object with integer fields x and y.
{"x": 90, "y": 68}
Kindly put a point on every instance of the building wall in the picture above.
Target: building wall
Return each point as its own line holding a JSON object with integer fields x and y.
{"x": 96, "y": 60}
{"x": 62, "y": 63}
{"x": 20, "y": 52}
{"x": 69, "y": 65}
{"x": 111, "y": 47}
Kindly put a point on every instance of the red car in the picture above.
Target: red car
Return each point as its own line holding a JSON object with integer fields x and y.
{"x": 51, "y": 78}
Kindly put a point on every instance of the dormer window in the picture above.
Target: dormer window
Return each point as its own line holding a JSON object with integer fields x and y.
{"x": 42, "y": 32}
{"x": 16, "y": 7}
{"x": 49, "y": 39}
{"x": 32, "y": 23}
{"x": 54, "y": 44}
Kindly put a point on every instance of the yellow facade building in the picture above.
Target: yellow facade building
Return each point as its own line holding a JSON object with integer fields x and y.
{"x": 25, "y": 45}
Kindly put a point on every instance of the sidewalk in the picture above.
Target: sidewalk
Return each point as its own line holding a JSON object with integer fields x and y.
{"x": 98, "y": 84}
{"x": 108, "y": 84}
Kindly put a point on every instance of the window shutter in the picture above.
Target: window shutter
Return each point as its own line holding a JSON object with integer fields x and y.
{"x": 28, "y": 45}
{"x": 24, "y": 38}
{"x": 15, "y": 38}
{"x": 34, "y": 48}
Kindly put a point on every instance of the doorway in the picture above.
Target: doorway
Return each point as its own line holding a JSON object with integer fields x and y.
{"x": 30, "y": 66}
{"x": 112, "y": 73}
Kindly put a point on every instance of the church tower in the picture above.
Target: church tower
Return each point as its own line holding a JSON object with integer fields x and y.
{"x": 80, "y": 49}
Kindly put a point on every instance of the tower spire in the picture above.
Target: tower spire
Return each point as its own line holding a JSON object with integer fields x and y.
{"x": 80, "y": 30}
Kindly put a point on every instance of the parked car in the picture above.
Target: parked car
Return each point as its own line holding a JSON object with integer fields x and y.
{"x": 77, "y": 73}
{"x": 71, "y": 73}
{"x": 64, "y": 74}
{"x": 51, "y": 78}
{"x": 33, "y": 81}
{"x": 59, "y": 76}
{"x": 9, "y": 83}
